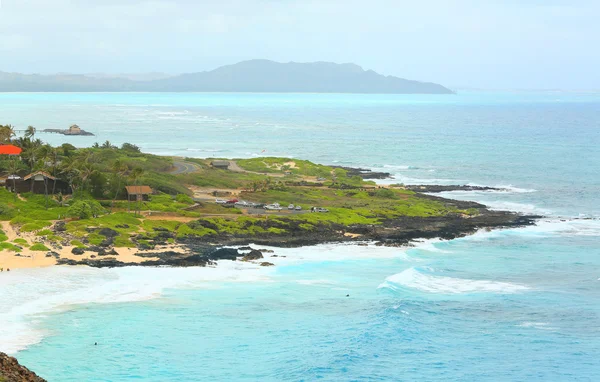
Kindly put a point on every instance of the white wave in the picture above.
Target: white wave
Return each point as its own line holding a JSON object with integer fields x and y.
{"x": 526, "y": 208}
{"x": 429, "y": 245}
{"x": 536, "y": 325}
{"x": 412, "y": 278}
{"x": 543, "y": 228}
{"x": 505, "y": 188}
{"x": 31, "y": 294}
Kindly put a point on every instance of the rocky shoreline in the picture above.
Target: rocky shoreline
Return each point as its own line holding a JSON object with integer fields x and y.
{"x": 206, "y": 250}
{"x": 434, "y": 188}
{"x": 12, "y": 371}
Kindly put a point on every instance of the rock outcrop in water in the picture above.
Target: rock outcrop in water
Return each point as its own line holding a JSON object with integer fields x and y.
{"x": 434, "y": 188}
{"x": 12, "y": 371}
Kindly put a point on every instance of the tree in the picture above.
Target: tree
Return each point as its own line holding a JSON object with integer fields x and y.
{"x": 130, "y": 147}
{"x": 13, "y": 167}
{"x": 119, "y": 169}
{"x": 6, "y": 133}
{"x": 135, "y": 176}
{"x": 107, "y": 145}
{"x": 30, "y": 132}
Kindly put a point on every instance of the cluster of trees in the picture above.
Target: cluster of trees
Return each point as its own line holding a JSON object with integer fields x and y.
{"x": 85, "y": 170}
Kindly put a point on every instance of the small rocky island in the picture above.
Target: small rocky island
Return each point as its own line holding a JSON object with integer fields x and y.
{"x": 73, "y": 130}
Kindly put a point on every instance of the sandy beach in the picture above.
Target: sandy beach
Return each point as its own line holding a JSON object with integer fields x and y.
{"x": 36, "y": 259}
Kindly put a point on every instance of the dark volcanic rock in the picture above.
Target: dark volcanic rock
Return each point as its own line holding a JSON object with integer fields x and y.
{"x": 12, "y": 371}
{"x": 107, "y": 232}
{"x": 78, "y": 251}
{"x": 52, "y": 254}
{"x": 438, "y": 188}
{"x": 253, "y": 255}
{"x": 60, "y": 226}
{"x": 266, "y": 264}
{"x": 223, "y": 254}
{"x": 364, "y": 173}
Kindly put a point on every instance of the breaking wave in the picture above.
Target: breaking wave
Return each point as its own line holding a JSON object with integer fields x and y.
{"x": 423, "y": 280}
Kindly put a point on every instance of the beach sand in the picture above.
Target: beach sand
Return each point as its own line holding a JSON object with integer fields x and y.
{"x": 36, "y": 259}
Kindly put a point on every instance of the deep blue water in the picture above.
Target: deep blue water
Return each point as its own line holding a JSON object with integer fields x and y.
{"x": 508, "y": 305}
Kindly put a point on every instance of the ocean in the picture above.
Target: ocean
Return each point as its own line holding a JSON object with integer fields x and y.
{"x": 507, "y": 305}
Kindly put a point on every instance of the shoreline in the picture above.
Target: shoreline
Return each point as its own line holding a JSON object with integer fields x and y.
{"x": 202, "y": 252}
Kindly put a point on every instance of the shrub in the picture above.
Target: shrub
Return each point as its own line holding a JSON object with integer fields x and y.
{"x": 85, "y": 209}
{"x": 9, "y": 247}
{"x": 39, "y": 247}
{"x": 182, "y": 198}
{"x": 385, "y": 193}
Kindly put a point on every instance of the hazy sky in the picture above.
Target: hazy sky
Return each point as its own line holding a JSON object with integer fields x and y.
{"x": 476, "y": 43}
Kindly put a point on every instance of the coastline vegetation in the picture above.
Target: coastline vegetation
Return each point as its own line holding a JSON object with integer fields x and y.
{"x": 99, "y": 212}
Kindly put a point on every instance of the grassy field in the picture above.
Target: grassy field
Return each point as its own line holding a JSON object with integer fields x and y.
{"x": 94, "y": 217}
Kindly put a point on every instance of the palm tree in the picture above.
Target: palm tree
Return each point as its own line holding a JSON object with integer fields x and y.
{"x": 107, "y": 145}
{"x": 135, "y": 175}
{"x": 120, "y": 169}
{"x": 13, "y": 167}
{"x": 6, "y": 133}
{"x": 53, "y": 158}
{"x": 85, "y": 171}
{"x": 68, "y": 169}
{"x": 30, "y": 132}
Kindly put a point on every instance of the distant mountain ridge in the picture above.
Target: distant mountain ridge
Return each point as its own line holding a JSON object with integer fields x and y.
{"x": 246, "y": 76}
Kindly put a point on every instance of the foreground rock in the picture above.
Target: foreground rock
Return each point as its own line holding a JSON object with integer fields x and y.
{"x": 12, "y": 371}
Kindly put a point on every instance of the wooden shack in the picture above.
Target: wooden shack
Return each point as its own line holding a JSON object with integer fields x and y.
{"x": 138, "y": 193}
{"x": 38, "y": 182}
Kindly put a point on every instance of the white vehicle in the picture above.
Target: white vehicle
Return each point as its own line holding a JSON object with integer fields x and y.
{"x": 298, "y": 208}
{"x": 291, "y": 207}
{"x": 220, "y": 201}
{"x": 273, "y": 207}
{"x": 320, "y": 209}
{"x": 242, "y": 204}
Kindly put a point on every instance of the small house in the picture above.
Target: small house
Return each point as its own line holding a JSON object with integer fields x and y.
{"x": 38, "y": 182}
{"x": 220, "y": 164}
{"x": 138, "y": 193}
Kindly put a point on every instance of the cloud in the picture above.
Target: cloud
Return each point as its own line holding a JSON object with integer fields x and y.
{"x": 534, "y": 43}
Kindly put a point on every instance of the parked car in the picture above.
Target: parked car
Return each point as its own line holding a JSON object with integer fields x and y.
{"x": 298, "y": 208}
{"x": 273, "y": 207}
{"x": 318, "y": 209}
{"x": 321, "y": 179}
{"x": 220, "y": 201}
{"x": 291, "y": 207}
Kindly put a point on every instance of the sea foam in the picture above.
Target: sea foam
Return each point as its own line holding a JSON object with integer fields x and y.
{"x": 422, "y": 280}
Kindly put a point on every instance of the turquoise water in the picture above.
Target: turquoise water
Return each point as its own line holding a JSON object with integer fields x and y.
{"x": 512, "y": 305}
